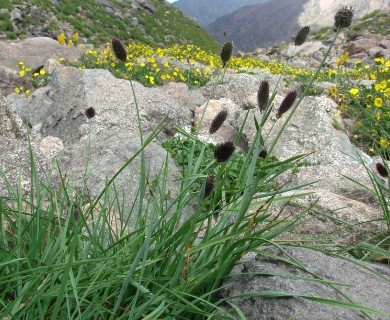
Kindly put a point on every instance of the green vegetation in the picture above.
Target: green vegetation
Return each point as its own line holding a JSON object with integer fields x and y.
{"x": 167, "y": 26}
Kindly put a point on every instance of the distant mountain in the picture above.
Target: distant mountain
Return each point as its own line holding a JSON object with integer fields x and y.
{"x": 259, "y": 25}
{"x": 207, "y": 11}
{"x": 264, "y": 24}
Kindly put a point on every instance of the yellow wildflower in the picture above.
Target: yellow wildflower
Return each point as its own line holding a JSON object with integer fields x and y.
{"x": 28, "y": 91}
{"x": 354, "y": 91}
{"x": 42, "y": 71}
{"x": 61, "y": 38}
{"x": 378, "y": 102}
{"x": 378, "y": 116}
{"x": 17, "y": 90}
{"x": 36, "y": 74}
{"x": 379, "y": 60}
{"x": 384, "y": 143}
{"x": 21, "y": 73}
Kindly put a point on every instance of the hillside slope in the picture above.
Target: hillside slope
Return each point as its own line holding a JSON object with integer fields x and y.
{"x": 259, "y": 25}
{"x": 154, "y": 22}
{"x": 206, "y": 11}
{"x": 277, "y": 20}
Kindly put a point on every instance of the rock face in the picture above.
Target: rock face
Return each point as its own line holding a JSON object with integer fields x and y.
{"x": 366, "y": 286}
{"x": 34, "y": 52}
{"x": 15, "y": 157}
{"x": 115, "y": 106}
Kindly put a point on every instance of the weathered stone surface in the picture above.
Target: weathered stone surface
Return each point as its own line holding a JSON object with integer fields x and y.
{"x": 34, "y": 52}
{"x": 306, "y": 49}
{"x": 312, "y": 131}
{"x": 97, "y": 158}
{"x": 115, "y": 106}
{"x": 332, "y": 217}
{"x": 32, "y": 109}
{"x": 367, "y": 285}
{"x": 10, "y": 79}
{"x": 240, "y": 88}
{"x": 10, "y": 122}
{"x": 15, "y": 165}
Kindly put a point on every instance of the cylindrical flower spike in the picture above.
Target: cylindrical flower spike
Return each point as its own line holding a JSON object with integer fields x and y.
{"x": 90, "y": 112}
{"x": 224, "y": 151}
{"x": 343, "y": 18}
{"x": 119, "y": 50}
{"x": 287, "y": 103}
{"x": 226, "y": 52}
{"x": 263, "y": 95}
{"x": 382, "y": 170}
{"x": 301, "y": 36}
{"x": 210, "y": 184}
{"x": 218, "y": 121}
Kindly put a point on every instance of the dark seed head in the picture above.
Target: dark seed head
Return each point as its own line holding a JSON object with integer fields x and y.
{"x": 287, "y": 103}
{"x": 343, "y": 18}
{"x": 119, "y": 49}
{"x": 263, "y": 154}
{"x": 263, "y": 95}
{"x": 90, "y": 112}
{"x": 382, "y": 170}
{"x": 224, "y": 151}
{"x": 210, "y": 184}
{"x": 226, "y": 52}
{"x": 301, "y": 36}
{"x": 218, "y": 121}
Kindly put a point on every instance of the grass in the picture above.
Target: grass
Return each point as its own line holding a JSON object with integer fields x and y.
{"x": 65, "y": 256}
{"x": 94, "y": 23}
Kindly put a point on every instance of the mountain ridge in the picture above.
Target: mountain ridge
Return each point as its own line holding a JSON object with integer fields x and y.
{"x": 262, "y": 25}
{"x": 206, "y": 12}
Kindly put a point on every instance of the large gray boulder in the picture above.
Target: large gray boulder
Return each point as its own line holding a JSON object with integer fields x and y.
{"x": 366, "y": 284}
{"x": 11, "y": 125}
{"x": 15, "y": 157}
{"x": 314, "y": 130}
{"x": 97, "y": 158}
{"x": 34, "y": 52}
{"x": 113, "y": 102}
{"x": 240, "y": 88}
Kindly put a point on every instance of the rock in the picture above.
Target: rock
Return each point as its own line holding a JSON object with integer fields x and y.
{"x": 362, "y": 44}
{"x": 16, "y": 15}
{"x": 51, "y": 147}
{"x": 15, "y": 157}
{"x": 115, "y": 107}
{"x": 10, "y": 79}
{"x": 33, "y": 109}
{"x": 147, "y": 6}
{"x": 10, "y": 123}
{"x": 367, "y": 285}
{"x": 34, "y": 52}
{"x": 306, "y": 49}
{"x": 98, "y": 157}
{"x": 240, "y": 88}
{"x": 35, "y": 14}
{"x": 177, "y": 91}
{"x": 348, "y": 219}
{"x": 15, "y": 165}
